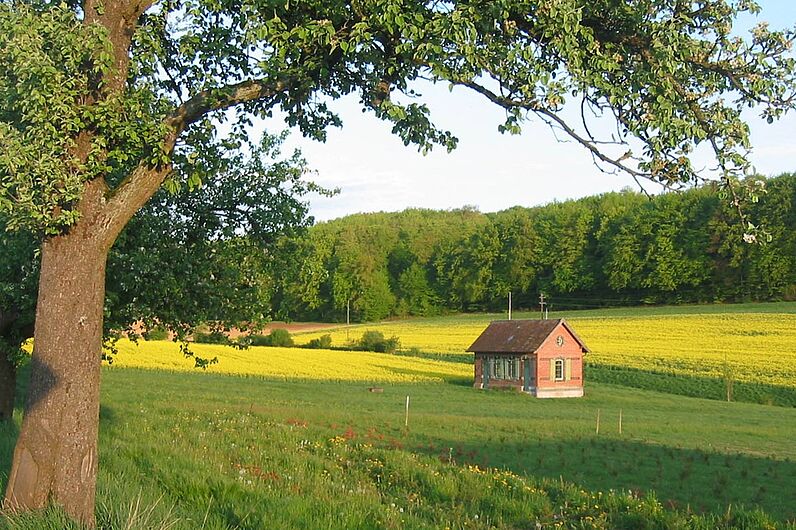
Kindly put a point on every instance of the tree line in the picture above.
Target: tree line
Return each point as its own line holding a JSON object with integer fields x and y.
{"x": 613, "y": 249}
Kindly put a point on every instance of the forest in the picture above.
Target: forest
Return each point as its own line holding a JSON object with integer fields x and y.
{"x": 615, "y": 249}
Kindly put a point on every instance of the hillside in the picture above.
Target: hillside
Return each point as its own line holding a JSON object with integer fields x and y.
{"x": 688, "y": 350}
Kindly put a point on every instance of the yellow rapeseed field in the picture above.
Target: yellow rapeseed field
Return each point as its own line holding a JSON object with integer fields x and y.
{"x": 433, "y": 335}
{"x": 757, "y": 347}
{"x": 291, "y": 363}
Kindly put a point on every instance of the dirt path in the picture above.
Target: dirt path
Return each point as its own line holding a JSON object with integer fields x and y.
{"x": 301, "y": 327}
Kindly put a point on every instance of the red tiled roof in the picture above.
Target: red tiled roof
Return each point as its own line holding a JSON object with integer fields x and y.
{"x": 518, "y": 336}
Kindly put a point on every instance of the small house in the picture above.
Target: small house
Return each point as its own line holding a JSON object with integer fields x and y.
{"x": 541, "y": 357}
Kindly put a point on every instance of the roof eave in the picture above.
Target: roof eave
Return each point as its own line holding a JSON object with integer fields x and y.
{"x": 577, "y": 338}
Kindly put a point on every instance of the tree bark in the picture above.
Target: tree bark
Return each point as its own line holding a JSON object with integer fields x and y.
{"x": 8, "y": 383}
{"x": 55, "y": 459}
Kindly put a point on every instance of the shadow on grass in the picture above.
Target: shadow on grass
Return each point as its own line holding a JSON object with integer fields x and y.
{"x": 691, "y": 385}
{"x": 684, "y": 479}
{"x": 461, "y": 381}
{"x": 107, "y": 415}
{"x": 9, "y": 431}
{"x": 429, "y": 374}
{"x": 462, "y": 358}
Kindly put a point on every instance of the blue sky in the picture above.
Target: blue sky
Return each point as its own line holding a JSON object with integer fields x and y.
{"x": 489, "y": 170}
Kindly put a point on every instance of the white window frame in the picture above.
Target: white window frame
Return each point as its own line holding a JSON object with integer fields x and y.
{"x": 559, "y": 364}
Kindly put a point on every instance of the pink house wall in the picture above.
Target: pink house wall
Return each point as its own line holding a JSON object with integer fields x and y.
{"x": 549, "y": 351}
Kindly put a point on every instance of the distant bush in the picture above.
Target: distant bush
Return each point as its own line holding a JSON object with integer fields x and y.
{"x": 213, "y": 337}
{"x": 374, "y": 341}
{"x": 259, "y": 340}
{"x": 324, "y": 342}
{"x": 277, "y": 337}
{"x": 156, "y": 333}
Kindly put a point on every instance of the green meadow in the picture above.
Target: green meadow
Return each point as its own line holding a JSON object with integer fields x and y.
{"x": 201, "y": 450}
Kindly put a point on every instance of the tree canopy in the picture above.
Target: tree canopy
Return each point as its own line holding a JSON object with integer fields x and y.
{"x": 206, "y": 254}
{"x": 189, "y": 257}
{"x": 78, "y": 105}
{"x": 609, "y": 250}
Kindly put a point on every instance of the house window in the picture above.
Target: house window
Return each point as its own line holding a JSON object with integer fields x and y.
{"x": 496, "y": 368}
{"x": 512, "y": 368}
{"x": 559, "y": 369}
{"x": 507, "y": 368}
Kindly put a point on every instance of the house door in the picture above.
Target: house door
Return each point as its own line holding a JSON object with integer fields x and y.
{"x": 529, "y": 375}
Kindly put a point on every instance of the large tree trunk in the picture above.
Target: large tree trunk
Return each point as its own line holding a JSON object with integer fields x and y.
{"x": 8, "y": 383}
{"x": 55, "y": 459}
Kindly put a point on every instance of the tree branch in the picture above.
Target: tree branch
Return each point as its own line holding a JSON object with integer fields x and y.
{"x": 551, "y": 117}
{"x": 222, "y": 98}
{"x": 136, "y": 189}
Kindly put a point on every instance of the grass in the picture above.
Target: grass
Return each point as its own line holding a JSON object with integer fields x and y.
{"x": 204, "y": 450}
{"x": 294, "y": 439}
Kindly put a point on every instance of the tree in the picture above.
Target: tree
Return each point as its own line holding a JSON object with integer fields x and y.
{"x": 100, "y": 100}
{"x": 613, "y": 249}
{"x": 517, "y": 260}
{"x": 221, "y": 235}
{"x": 188, "y": 257}
{"x": 464, "y": 269}
{"x": 417, "y": 296}
{"x": 207, "y": 254}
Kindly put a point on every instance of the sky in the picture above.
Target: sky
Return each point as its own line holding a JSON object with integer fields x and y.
{"x": 489, "y": 170}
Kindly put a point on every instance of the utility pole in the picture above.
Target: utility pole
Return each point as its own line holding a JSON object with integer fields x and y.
{"x": 542, "y": 303}
{"x": 347, "y": 319}
{"x": 509, "y": 305}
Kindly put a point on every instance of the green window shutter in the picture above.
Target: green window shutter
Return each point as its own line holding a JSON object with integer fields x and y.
{"x": 552, "y": 369}
{"x": 568, "y": 369}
